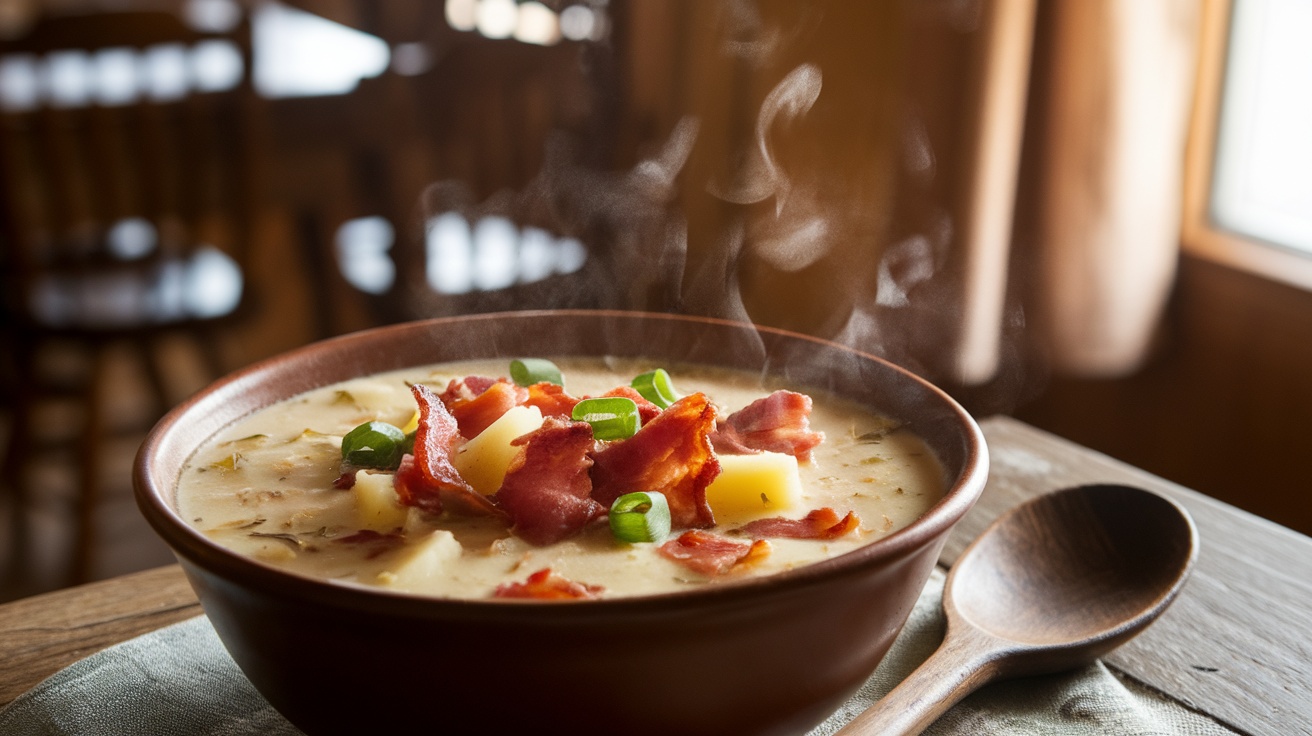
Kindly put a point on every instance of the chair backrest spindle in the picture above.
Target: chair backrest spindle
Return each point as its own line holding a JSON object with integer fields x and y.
{"x": 120, "y": 186}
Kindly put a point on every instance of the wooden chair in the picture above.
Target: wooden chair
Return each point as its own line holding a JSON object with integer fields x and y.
{"x": 126, "y": 223}
{"x": 494, "y": 130}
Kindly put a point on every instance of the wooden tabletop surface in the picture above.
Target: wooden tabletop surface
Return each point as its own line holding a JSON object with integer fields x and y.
{"x": 1236, "y": 646}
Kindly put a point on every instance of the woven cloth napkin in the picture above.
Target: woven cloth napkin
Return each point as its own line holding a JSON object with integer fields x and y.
{"x": 179, "y": 680}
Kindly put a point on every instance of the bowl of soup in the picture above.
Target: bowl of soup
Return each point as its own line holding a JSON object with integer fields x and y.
{"x": 561, "y": 522}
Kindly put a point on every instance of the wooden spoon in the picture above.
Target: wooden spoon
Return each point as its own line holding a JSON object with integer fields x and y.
{"x": 1051, "y": 585}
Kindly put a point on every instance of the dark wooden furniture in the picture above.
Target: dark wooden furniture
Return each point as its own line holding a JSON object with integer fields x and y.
{"x": 1234, "y": 646}
{"x": 127, "y": 210}
{"x": 491, "y": 127}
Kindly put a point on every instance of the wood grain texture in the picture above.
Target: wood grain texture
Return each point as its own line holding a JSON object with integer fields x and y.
{"x": 1237, "y": 644}
{"x": 43, "y": 634}
{"x": 967, "y": 660}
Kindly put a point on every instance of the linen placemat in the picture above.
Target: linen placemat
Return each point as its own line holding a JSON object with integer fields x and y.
{"x": 180, "y": 681}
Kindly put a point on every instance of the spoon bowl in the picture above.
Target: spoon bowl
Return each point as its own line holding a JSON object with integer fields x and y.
{"x": 1051, "y": 585}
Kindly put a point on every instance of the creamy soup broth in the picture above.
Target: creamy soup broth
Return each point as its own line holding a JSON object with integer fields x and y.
{"x": 264, "y": 488}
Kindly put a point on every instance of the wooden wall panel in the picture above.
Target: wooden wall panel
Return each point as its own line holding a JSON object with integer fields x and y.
{"x": 1225, "y": 404}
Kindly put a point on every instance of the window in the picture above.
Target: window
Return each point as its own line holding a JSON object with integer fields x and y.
{"x": 298, "y": 54}
{"x": 1248, "y": 200}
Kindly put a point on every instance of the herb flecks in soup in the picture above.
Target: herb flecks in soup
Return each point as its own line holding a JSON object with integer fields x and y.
{"x": 585, "y": 479}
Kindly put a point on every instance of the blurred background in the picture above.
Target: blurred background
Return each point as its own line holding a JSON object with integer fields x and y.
{"x": 1095, "y": 217}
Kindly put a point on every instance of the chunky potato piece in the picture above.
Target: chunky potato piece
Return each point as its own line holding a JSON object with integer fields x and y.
{"x": 750, "y": 486}
{"x": 376, "y": 502}
{"x": 482, "y": 462}
{"x": 422, "y": 561}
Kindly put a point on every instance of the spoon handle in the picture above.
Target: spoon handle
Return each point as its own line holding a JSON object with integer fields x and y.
{"x": 957, "y": 668}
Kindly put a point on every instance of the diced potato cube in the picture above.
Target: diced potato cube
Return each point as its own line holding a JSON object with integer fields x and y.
{"x": 482, "y": 462}
{"x": 422, "y": 561}
{"x": 416, "y": 522}
{"x": 751, "y": 486}
{"x": 376, "y": 503}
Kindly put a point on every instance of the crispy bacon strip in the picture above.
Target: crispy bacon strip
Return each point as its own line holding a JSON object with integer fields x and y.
{"x": 546, "y": 585}
{"x": 711, "y": 554}
{"x": 476, "y": 402}
{"x": 551, "y": 400}
{"x": 671, "y": 454}
{"x": 463, "y": 389}
{"x": 822, "y": 523}
{"x": 413, "y": 489}
{"x": 547, "y": 490}
{"x": 647, "y": 411}
{"x": 780, "y": 422}
{"x": 428, "y": 477}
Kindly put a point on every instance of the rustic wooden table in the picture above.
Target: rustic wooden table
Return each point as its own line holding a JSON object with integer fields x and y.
{"x": 1236, "y": 646}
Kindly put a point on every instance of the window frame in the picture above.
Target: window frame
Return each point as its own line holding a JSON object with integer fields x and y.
{"x": 1201, "y": 236}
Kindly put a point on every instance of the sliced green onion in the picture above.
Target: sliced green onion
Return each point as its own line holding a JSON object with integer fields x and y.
{"x": 640, "y": 517}
{"x": 656, "y": 387}
{"x": 374, "y": 445}
{"x": 611, "y": 417}
{"x": 528, "y": 371}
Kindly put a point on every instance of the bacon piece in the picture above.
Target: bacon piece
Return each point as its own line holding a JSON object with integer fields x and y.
{"x": 428, "y": 477}
{"x": 476, "y": 409}
{"x": 711, "y": 554}
{"x": 822, "y": 523}
{"x": 780, "y": 422}
{"x": 436, "y": 439}
{"x": 551, "y": 400}
{"x": 547, "y": 490}
{"x": 671, "y": 454}
{"x": 463, "y": 389}
{"x": 546, "y": 585}
{"x": 413, "y": 489}
{"x": 374, "y": 543}
{"x": 647, "y": 411}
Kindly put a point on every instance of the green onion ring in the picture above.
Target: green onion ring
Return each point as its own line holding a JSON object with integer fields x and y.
{"x": 374, "y": 445}
{"x": 528, "y": 371}
{"x": 640, "y": 517}
{"x": 656, "y": 387}
{"x": 611, "y": 417}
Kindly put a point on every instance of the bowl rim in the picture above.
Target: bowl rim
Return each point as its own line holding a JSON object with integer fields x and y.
{"x": 189, "y": 545}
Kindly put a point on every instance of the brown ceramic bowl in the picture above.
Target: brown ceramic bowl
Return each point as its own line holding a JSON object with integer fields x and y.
{"x": 773, "y": 655}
